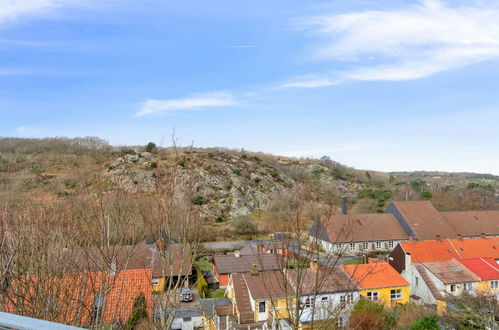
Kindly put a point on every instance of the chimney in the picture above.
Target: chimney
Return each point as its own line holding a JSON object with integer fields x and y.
{"x": 411, "y": 239}
{"x": 438, "y": 238}
{"x": 314, "y": 265}
{"x": 482, "y": 235}
{"x": 237, "y": 254}
{"x": 254, "y": 269}
{"x": 344, "y": 205}
{"x": 459, "y": 237}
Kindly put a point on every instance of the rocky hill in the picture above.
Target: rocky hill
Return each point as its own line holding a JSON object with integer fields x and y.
{"x": 226, "y": 183}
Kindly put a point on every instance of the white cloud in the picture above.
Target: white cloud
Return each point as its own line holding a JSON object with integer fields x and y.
{"x": 195, "y": 101}
{"x": 11, "y": 10}
{"x": 25, "y": 131}
{"x": 309, "y": 81}
{"x": 410, "y": 43}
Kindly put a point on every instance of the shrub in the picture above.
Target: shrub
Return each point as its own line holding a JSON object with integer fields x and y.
{"x": 151, "y": 146}
{"x": 203, "y": 290}
{"x": 154, "y": 165}
{"x": 245, "y": 226}
{"x": 367, "y": 315}
{"x": 198, "y": 200}
{"x": 428, "y": 322}
{"x": 426, "y": 195}
{"x": 257, "y": 180}
{"x": 236, "y": 171}
{"x": 139, "y": 311}
{"x": 219, "y": 219}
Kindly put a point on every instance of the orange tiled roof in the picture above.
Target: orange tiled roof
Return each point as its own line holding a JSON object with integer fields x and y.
{"x": 377, "y": 275}
{"x": 433, "y": 250}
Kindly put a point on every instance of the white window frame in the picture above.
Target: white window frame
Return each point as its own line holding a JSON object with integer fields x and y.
{"x": 378, "y": 245}
{"x": 494, "y": 284}
{"x": 365, "y": 246}
{"x": 308, "y": 303}
{"x": 339, "y": 322}
{"x": 453, "y": 286}
{"x": 373, "y": 295}
{"x": 467, "y": 286}
{"x": 155, "y": 281}
{"x": 262, "y": 303}
{"x": 396, "y": 294}
{"x": 391, "y": 244}
{"x": 352, "y": 247}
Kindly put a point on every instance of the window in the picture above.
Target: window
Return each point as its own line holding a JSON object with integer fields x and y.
{"x": 390, "y": 244}
{"x": 339, "y": 322}
{"x": 349, "y": 298}
{"x": 96, "y": 315}
{"x": 352, "y": 246}
{"x": 373, "y": 295}
{"x": 452, "y": 288}
{"x": 378, "y": 245}
{"x": 494, "y": 284}
{"x": 261, "y": 307}
{"x": 467, "y": 286}
{"x": 396, "y": 294}
{"x": 323, "y": 299}
{"x": 155, "y": 281}
{"x": 346, "y": 299}
{"x": 342, "y": 301}
{"x": 417, "y": 281}
{"x": 365, "y": 246}
{"x": 308, "y": 303}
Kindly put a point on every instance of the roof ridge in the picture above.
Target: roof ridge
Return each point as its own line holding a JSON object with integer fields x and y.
{"x": 485, "y": 261}
{"x": 431, "y": 286}
{"x": 466, "y": 269}
{"x": 457, "y": 252}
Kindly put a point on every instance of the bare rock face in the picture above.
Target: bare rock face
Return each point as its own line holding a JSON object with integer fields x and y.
{"x": 225, "y": 185}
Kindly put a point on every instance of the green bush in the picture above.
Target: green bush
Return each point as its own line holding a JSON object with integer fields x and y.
{"x": 154, "y": 165}
{"x": 203, "y": 290}
{"x": 428, "y": 322}
{"x": 198, "y": 200}
{"x": 219, "y": 219}
{"x": 257, "y": 180}
{"x": 139, "y": 311}
{"x": 244, "y": 226}
{"x": 426, "y": 195}
{"x": 151, "y": 146}
{"x": 236, "y": 171}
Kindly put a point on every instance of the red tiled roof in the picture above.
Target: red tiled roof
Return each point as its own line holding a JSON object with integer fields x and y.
{"x": 433, "y": 250}
{"x": 377, "y": 275}
{"x": 473, "y": 223}
{"x": 424, "y": 219}
{"x": 485, "y": 268}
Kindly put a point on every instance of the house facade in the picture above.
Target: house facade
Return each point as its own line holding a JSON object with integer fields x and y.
{"x": 357, "y": 234}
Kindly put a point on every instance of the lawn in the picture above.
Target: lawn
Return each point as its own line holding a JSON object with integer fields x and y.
{"x": 353, "y": 262}
{"x": 217, "y": 293}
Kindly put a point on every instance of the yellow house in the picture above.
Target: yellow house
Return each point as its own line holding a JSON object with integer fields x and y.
{"x": 487, "y": 270}
{"x": 260, "y": 296}
{"x": 380, "y": 282}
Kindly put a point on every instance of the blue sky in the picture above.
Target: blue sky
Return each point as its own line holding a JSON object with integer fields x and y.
{"x": 383, "y": 85}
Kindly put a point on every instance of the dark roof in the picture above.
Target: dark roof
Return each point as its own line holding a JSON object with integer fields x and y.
{"x": 473, "y": 223}
{"x": 323, "y": 280}
{"x": 227, "y": 264}
{"x": 359, "y": 228}
{"x": 429, "y": 283}
{"x": 267, "y": 285}
{"x": 450, "y": 272}
{"x": 424, "y": 219}
{"x": 241, "y": 294}
{"x": 188, "y": 311}
{"x": 209, "y": 277}
{"x": 174, "y": 261}
{"x": 208, "y": 305}
{"x": 248, "y": 250}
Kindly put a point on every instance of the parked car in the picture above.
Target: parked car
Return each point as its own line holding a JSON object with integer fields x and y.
{"x": 185, "y": 295}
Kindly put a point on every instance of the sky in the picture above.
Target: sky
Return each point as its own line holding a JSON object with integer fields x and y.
{"x": 381, "y": 85}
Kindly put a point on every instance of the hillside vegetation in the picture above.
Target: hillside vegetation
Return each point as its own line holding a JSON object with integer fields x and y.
{"x": 238, "y": 193}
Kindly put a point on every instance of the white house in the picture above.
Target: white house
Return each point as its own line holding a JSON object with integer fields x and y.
{"x": 357, "y": 233}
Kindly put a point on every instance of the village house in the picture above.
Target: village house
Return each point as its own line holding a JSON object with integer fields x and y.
{"x": 419, "y": 262}
{"x": 357, "y": 233}
{"x": 380, "y": 283}
{"x": 325, "y": 294}
{"x": 422, "y": 221}
{"x": 225, "y": 265}
{"x": 487, "y": 270}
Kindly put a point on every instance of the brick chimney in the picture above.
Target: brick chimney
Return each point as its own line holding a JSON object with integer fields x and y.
{"x": 411, "y": 239}
{"x": 482, "y": 235}
{"x": 459, "y": 237}
{"x": 314, "y": 265}
{"x": 254, "y": 269}
{"x": 438, "y": 238}
{"x": 344, "y": 205}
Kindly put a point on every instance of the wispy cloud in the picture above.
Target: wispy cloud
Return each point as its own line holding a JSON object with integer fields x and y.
{"x": 11, "y": 10}
{"x": 25, "y": 131}
{"x": 308, "y": 81}
{"x": 242, "y": 46}
{"x": 195, "y": 101}
{"x": 410, "y": 43}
